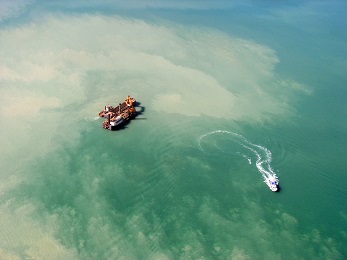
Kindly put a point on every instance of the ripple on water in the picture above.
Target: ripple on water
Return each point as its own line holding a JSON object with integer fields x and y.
{"x": 226, "y": 142}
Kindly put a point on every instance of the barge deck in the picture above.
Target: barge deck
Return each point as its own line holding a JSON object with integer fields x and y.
{"x": 119, "y": 115}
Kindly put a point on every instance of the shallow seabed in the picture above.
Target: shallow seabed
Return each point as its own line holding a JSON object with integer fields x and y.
{"x": 228, "y": 92}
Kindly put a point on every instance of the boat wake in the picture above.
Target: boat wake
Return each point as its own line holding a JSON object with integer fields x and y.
{"x": 89, "y": 118}
{"x": 263, "y": 156}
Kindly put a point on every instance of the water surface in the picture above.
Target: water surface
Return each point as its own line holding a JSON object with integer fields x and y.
{"x": 178, "y": 182}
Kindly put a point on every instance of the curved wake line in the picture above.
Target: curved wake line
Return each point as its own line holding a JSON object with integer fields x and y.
{"x": 263, "y": 156}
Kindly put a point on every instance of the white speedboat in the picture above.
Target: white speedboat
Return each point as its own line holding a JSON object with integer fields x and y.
{"x": 272, "y": 181}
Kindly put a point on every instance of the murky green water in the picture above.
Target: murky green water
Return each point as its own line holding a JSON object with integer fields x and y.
{"x": 170, "y": 185}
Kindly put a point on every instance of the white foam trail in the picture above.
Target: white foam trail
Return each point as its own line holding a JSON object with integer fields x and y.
{"x": 89, "y": 118}
{"x": 249, "y": 159}
{"x": 263, "y": 155}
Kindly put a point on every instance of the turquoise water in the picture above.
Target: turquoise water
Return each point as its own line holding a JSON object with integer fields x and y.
{"x": 180, "y": 181}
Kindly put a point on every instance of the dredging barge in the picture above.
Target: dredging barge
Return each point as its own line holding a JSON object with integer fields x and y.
{"x": 119, "y": 115}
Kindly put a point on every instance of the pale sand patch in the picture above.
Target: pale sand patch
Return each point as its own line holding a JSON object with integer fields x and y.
{"x": 36, "y": 239}
{"x": 27, "y": 105}
{"x": 214, "y": 74}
